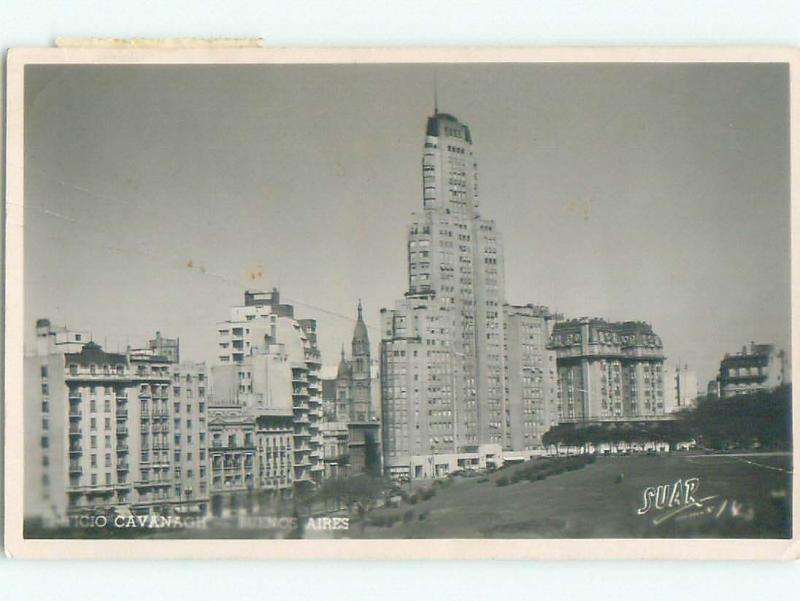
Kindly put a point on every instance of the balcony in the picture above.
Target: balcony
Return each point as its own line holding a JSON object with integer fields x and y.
{"x": 122, "y": 466}
{"x": 155, "y": 482}
{"x": 122, "y": 413}
{"x": 75, "y": 468}
{"x": 75, "y": 449}
{"x": 122, "y": 430}
{"x": 75, "y": 413}
{"x": 75, "y": 429}
{"x": 122, "y": 447}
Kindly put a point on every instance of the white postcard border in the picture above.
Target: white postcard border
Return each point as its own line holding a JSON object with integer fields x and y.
{"x": 549, "y": 549}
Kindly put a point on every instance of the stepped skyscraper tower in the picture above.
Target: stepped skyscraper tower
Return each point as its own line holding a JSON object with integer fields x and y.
{"x": 442, "y": 345}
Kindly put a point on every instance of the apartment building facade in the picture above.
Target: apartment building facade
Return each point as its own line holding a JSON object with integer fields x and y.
{"x": 607, "y": 370}
{"x": 106, "y": 433}
{"x": 755, "y": 368}
{"x": 531, "y": 376}
{"x": 269, "y": 366}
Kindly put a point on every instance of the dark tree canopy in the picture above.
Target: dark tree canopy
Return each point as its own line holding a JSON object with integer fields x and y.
{"x": 758, "y": 420}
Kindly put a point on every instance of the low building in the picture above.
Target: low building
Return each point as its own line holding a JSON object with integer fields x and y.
{"x": 252, "y": 458}
{"x": 757, "y": 368}
{"x": 440, "y": 465}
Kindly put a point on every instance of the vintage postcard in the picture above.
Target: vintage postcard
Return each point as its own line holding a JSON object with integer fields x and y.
{"x": 410, "y": 303}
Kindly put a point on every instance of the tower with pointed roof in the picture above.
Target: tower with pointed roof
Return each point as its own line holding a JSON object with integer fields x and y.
{"x": 361, "y": 399}
{"x": 353, "y": 377}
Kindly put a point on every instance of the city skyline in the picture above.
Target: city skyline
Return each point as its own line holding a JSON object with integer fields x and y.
{"x": 136, "y": 200}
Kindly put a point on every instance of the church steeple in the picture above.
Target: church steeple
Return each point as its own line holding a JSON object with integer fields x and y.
{"x": 360, "y": 336}
{"x": 361, "y": 396}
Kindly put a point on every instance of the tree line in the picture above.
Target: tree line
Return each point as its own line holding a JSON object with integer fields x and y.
{"x": 760, "y": 420}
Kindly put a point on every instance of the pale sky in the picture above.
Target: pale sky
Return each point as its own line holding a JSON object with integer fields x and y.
{"x": 156, "y": 195}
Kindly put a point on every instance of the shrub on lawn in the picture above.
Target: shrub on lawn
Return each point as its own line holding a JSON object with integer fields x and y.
{"x": 502, "y": 481}
{"x": 408, "y": 516}
{"x": 427, "y": 493}
{"x": 383, "y": 521}
{"x": 539, "y": 469}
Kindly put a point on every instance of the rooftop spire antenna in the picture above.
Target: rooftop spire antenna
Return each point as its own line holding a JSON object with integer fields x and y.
{"x": 435, "y": 93}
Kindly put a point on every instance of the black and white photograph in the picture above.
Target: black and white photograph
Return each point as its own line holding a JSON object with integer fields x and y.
{"x": 332, "y": 300}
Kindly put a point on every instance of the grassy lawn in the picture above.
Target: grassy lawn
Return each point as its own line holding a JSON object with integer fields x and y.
{"x": 752, "y": 496}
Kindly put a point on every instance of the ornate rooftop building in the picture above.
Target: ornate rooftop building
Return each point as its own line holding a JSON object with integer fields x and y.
{"x": 608, "y": 370}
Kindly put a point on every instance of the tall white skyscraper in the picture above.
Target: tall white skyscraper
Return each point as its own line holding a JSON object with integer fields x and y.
{"x": 442, "y": 348}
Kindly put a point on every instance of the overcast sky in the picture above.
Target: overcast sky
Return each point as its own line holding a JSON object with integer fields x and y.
{"x": 156, "y": 195}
